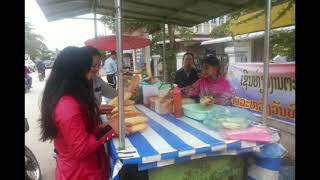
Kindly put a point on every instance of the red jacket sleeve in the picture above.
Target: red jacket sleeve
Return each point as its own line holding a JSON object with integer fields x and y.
{"x": 71, "y": 124}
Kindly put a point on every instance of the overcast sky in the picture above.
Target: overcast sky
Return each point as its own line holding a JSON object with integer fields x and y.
{"x": 62, "y": 33}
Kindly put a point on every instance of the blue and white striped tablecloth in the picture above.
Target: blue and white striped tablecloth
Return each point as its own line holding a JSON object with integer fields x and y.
{"x": 168, "y": 140}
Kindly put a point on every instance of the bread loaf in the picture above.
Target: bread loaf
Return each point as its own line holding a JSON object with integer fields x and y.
{"x": 127, "y": 114}
{"x": 129, "y": 102}
{"x": 138, "y": 128}
{"x": 136, "y": 120}
{"x": 126, "y": 108}
{"x": 116, "y": 112}
{"x": 114, "y": 101}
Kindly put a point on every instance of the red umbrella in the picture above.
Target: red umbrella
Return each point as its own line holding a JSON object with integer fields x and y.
{"x": 108, "y": 43}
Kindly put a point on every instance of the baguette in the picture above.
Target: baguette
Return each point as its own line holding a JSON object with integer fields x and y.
{"x": 114, "y": 101}
{"x": 114, "y": 113}
{"x": 127, "y": 114}
{"x": 126, "y": 108}
{"x": 136, "y": 120}
{"x": 138, "y": 128}
{"x": 129, "y": 102}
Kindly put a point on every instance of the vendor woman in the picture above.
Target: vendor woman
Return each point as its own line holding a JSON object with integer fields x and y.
{"x": 212, "y": 83}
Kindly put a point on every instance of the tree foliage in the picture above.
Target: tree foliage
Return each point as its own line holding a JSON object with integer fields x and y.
{"x": 283, "y": 43}
{"x": 154, "y": 47}
{"x": 222, "y": 30}
{"x": 130, "y": 25}
{"x": 185, "y": 34}
{"x": 34, "y": 44}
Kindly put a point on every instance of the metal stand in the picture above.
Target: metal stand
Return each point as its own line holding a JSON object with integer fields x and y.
{"x": 118, "y": 5}
{"x": 266, "y": 63}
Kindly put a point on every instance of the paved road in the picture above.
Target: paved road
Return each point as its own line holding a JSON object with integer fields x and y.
{"x": 42, "y": 150}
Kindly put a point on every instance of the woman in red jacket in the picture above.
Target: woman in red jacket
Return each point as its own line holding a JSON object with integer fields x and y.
{"x": 70, "y": 117}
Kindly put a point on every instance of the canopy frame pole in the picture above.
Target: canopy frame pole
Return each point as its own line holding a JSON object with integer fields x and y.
{"x": 164, "y": 51}
{"x": 266, "y": 62}
{"x": 95, "y": 22}
{"x": 118, "y": 6}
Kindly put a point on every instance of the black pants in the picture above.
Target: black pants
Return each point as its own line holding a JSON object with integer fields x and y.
{"x": 112, "y": 80}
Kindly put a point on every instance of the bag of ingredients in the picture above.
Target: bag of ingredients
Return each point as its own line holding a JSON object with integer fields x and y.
{"x": 255, "y": 134}
{"x": 164, "y": 105}
{"x": 152, "y": 102}
{"x": 274, "y": 150}
{"x": 148, "y": 91}
{"x": 229, "y": 117}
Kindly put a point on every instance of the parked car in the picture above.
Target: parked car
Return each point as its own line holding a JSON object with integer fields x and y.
{"x": 30, "y": 64}
{"x": 48, "y": 64}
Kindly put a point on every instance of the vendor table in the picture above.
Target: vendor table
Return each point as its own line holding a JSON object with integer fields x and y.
{"x": 169, "y": 141}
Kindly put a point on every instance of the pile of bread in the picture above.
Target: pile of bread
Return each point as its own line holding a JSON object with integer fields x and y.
{"x": 137, "y": 120}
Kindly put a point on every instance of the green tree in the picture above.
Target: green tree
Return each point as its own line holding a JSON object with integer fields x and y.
{"x": 185, "y": 33}
{"x": 222, "y": 30}
{"x": 34, "y": 43}
{"x": 129, "y": 25}
{"x": 283, "y": 43}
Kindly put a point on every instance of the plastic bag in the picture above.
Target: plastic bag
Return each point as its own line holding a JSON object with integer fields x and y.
{"x": 229, "y": 117}
{"x": 255, "y": 134}
{"x": 164, "y": 105}
{"x": 272, "y": 151}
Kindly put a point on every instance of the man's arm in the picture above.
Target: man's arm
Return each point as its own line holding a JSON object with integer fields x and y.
{"x": 106, "y": 89}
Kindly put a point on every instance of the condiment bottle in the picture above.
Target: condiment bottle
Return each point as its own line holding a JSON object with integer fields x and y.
{"x": 177, "y": 102}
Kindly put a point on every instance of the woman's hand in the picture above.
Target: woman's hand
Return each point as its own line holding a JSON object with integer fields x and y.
{"x": 207, "y": 100}
{"x": 211, "y": 102}
{"x": 101, "y": 126}
{"x": 105, "y": 109}
{"x": 114, "y": 124}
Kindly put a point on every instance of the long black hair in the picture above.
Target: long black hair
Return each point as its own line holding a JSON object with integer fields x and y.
{"x": 92, "y": 50}
{"x": 68, "y": 77}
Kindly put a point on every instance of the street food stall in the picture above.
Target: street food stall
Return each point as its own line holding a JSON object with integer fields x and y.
{"x": 165, "y": 142}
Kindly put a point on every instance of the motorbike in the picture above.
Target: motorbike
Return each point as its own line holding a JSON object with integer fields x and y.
{"x": 41, "y": 75}
{"x": 32, "y": 167}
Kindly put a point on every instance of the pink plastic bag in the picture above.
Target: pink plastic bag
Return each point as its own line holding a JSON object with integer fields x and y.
{"x": 256, "y": 134}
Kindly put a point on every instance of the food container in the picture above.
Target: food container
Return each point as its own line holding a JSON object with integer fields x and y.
{"x": 196, "y": 111}
{"x": 163, "y": 105}
{"x": 152, "y": 102}
{"x": 149, "y": 91}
